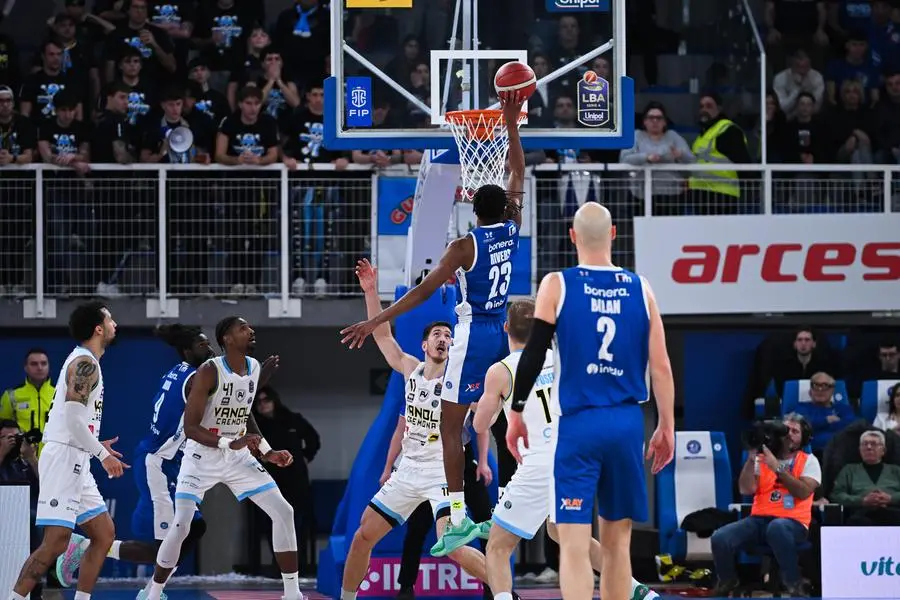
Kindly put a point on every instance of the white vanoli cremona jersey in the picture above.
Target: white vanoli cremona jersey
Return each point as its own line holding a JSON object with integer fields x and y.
{"x": 541, "y": 412}
{"x": 422, "y": 438}
{"x": 57, "y": 430}
{"x": 228, "y": 407}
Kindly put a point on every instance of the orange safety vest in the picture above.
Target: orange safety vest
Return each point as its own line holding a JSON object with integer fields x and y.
{"x": 772, "y": 499}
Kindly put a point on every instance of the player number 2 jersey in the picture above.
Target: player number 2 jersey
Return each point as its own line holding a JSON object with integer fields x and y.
{"x": 541, "y": 411}
{"x": 57, "y": 430}
{"x": 228, "y": 407}
{"x": 602, "y": 338}
{"x": 484, "y": 288}
{"x": 422, "y": 438}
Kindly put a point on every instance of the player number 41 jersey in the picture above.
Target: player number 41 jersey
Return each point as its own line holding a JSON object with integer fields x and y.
{"x": 228, "y": 407}
{"x": 541, "y": 411}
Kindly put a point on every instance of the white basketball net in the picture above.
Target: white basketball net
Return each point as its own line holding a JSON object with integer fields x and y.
{"x": 483, "y": 143}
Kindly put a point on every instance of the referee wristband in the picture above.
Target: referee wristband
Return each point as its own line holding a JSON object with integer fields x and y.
{"x": 264, "y": 447}
{"x": 225, "y": 443}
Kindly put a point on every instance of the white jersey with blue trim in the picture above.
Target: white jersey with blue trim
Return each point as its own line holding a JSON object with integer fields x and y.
{"x": 57, "y": 430}
{"x": 228, "y": 408}
{"x": 422, "y": 411}
{"x": 541, "y": 414}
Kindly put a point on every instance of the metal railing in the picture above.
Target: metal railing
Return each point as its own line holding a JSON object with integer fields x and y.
{"x": 182, "y": 231}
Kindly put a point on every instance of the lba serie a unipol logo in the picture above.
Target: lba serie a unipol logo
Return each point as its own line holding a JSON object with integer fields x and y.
{"x": 438, "y": 578}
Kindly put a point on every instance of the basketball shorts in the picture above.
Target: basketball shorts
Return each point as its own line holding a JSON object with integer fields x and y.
{"x": 68, "y": 493}
{"x": 525, "y": 503}
{"x": 202, "y": 468}
{"x": 599, "y": 453}
{"x": 156, "y": 480}
{"x": 408, "y": 487}
{"x": 476, "y": 346}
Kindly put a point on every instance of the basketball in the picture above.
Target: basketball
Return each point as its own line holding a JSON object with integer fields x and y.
{"x": 590, "y": 77}
{"x": 515, "y": 76}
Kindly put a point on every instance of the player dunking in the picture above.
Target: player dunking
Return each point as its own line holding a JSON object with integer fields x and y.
{"x": 482, "y": 263}
{"x": 420, "y": 476}
{"x": 217, "y": 419}
{"x": 69, "y": 494}
{"x": 525, "y": 503}
{"x": 608, "y": 329}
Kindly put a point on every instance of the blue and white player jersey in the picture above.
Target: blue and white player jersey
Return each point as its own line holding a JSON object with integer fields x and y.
{"x": 484, "y": 288}
{"x": 166, "y": 435}
{"x": 602, "y": 338}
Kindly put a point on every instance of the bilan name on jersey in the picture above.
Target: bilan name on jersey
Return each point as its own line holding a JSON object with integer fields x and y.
{"x": 606, "y": 302}
{"x": 231, "y": 416}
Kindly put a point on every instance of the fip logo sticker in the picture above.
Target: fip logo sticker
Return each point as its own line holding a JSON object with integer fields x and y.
{"x": 593, "y": 100}
{"x": 577, "y": 5}
{"x": 359, "y": 102}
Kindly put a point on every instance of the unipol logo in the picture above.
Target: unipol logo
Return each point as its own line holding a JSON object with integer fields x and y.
{"x": 358, "y": 97}
{"x": 438, "y": 577}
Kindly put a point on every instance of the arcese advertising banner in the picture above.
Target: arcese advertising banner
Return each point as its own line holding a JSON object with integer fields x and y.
{"x": 771, "y": 263}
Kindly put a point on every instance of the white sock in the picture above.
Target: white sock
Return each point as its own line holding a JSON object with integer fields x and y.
{"x": 345, "y": 595}
{"x": 114, "y": 550}
{"x": 503, "y": 596}
{"x": 457, "y": 507}
{"x": 82, "y": 596}
{"x": 15, "y": 596}
{"x": 291, "y": 586}
{"x": 155, "y": 591}
{"x": 650, "y": 595}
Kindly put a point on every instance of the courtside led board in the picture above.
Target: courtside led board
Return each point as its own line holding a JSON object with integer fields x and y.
{"x": 592, "y": 99}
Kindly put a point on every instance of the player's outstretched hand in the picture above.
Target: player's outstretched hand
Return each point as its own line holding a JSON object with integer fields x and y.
{"x": 355, "y": 335}
{"x": 511, "y": 102}
{"x": 484, "y": 474}
{"x": 367, "y": 275}
{"x": 269, "y": 366}
{"x": 515, "y": 431}
{"x": 114, "y": 467}
{"x": 661, "y": 449}
{"x": 108, "y": 445}
{"x": 251, "y": 440}
{"x": 279, "y": 458}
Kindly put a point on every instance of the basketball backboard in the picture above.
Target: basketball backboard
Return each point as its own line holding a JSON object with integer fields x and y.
{"x": 374, "y": 66}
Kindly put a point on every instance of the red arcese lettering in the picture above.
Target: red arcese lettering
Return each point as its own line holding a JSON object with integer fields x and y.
{"x": 822, "y": 262}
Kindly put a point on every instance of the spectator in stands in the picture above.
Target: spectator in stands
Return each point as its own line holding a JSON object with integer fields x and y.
{"x": 29, "y": 404}
{"x": 847, "y": 17}
{"x": 777, "y": 140}
{"x": 302, "y": 32}
{"x": 657, "y": 144}
{"x": 721, "y": 141}
{"x": 826, "y": 416}
{"x": 155, "y": 136}
{"x": 782, "y": 488}
{"x": 10, "y": 68}
{"x": 798, "y": 77}
{"x": 78, "y": 62}
{"x": 304, "y": 134}
{"x": 852, "y": 126}
{"x": 18, "y": 136}
{"x": 153, "y": 43}
{"x": 884, "y": 36}
{"x": 90, "y": 28}
{"x": 202, "y": 123}
{"x": 889, "y": 361}
{"x": 794, "y": 24}
{"x": 569, "y": 46}
{"x": 538, "y": 104}
{"x": 177, "y": 19}
{"x": 290, "y": 431}
{"x": 887, "y": 118}
{"x": 855, "y": 65}
{"x": 802, "y": 362}
{"x": 885, "y": 422}
{"x": 63, "y": 141}
{"x": 406, "y": 59}
{"x": 221, "y": 35}
{"x": 209, "y": 101}
{"x": 280, "y": 97}
{"x": 115, "y": 139}
{"x": 142, "y": 91}
{"x": 39, "y": 91}
{"x": 250, "y": 67}
{"x": 870, "y": 490}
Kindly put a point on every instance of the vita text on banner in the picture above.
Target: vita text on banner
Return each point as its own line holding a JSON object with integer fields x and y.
{"x": 771, "y": 263}
{"x": 860, "y": 562}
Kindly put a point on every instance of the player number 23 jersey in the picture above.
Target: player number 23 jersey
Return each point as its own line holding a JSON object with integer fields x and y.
{"x": 228, "y": 407}
{"x": 57, "y": 429}
{"x": 422, "y": 410}
{"x": 541, "y": 411}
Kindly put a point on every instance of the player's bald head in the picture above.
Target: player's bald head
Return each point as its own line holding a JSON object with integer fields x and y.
{"x": 592, "y": 225}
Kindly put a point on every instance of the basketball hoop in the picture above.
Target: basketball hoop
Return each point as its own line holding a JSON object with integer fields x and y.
{"x": 483, "y": 142}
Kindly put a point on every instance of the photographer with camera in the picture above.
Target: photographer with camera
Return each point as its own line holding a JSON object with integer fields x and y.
{"x": 782, "y": 478}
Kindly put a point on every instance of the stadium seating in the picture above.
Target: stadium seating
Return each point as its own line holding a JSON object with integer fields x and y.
{"x": 796, "y": 392}
{"x": 874, "y": 399}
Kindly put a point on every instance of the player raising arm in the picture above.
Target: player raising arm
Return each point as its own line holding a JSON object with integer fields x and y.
{"x": 601, "y": 381}
{"x": 482, "y": 262}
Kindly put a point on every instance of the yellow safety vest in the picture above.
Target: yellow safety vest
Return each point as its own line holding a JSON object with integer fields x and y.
{"x": 28, "y": 406}
{"x": 719, "y": 182}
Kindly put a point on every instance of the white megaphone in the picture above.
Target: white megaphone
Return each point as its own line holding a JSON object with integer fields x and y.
{"x": 181, "y": 144}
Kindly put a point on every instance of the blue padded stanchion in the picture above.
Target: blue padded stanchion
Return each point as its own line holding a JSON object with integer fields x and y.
{"x": 368, "y": 466}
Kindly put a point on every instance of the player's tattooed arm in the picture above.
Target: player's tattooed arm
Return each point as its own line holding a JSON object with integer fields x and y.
{"x": 81, "y": 378}
{"x": 204, "y": 380}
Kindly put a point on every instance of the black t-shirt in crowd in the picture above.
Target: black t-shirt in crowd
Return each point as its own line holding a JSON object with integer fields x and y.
{"x": 214, "y": 104}
{"x": 304, "y": 49}
{"x": 176, "y": 12}
{"x": 255, "y": 138}
{"x": 141, "y": 101}
{"x": 304, "y": 133}
{"x": 10, "y": 71}
{"x": 112, "y": 127}
{"x": 18, "y": 135}
{"x": 234, "y": 25}
{"x": 796, "y": 16}
{"x": 125, "y": 35}
{"x": 203, "y": 127}
{"x": 250, "y": 69}
{"x": 64, "y": 140}
{"x": 40, "y": 88}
